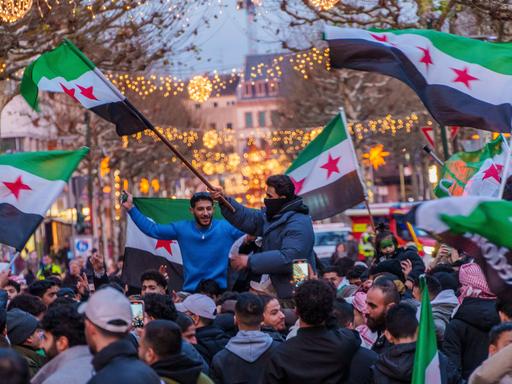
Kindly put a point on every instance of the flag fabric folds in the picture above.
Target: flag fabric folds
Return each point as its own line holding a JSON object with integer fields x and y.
{"x": 66, "y": 69}
{"x": 479, "y": 227}
{"x": 426, "y": 368}
{"x": 476, "y": 173}
{"x": 29, "y": 183}
{"x": 326, "y": 172}
{"x": 461, "y": 81}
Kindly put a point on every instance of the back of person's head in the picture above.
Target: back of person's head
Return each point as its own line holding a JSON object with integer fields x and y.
{"x": 114, "y": 285}
{"x": 283, "y": 185}
{"x": 388, "y": 267}
{"x": 343, "y": 265}
{"x": 356, "y": 272}
{"x": 388, "y": 289}
{"x": 62, "y": 301}
{"x": 28, "y": 303}
{"x": 163, "y": 337}
{"x": 448, "y": 280}
{"x": 55, "y": 280}
{"x": 159, "y": 307}
{"x": 13, "y": 367}
{"x": 157, "y": 277}
{"x": 499, "y": 337}
{"x": 249, "y": 311}
{"x": 38, "y": 288}
{"x": 401, "y": 323}
{"x": 209, "y": 287}
{"x": 184, "y": 321}
{"x": 313, "y": 300}
{"x": 433, "y": 285}
{"x": 344, "y": 313}
{"x": 65, "y": 321}
{"x": 504, "y": 308}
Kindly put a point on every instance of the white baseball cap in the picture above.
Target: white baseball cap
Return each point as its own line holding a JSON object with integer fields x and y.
{"x": 108, "y": 309}
{"x": 200, "y": 305}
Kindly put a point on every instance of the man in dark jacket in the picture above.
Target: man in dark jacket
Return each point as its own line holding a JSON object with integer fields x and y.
{"x": 286, "y": 229}
{"x": 108, "y": 319}
{"x": 246, "y": 355}
{"x": 160, "y": 347}
{"x": 395, "y": 365}
{"x": 210, "y": 338}
{"x": 316, "y": 354}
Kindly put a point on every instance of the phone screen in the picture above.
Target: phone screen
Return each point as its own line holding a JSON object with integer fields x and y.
{"x": 137, "y": 314}
{"x": 300, "y": 272}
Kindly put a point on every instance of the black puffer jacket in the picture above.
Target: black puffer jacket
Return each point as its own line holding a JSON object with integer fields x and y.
{"x": 118, "y": 363}
{"x": 210, "y": 340}
{"x": 466, "y": 337}
{"x": 401, "y": 254}
{"x": 178, "y": 368}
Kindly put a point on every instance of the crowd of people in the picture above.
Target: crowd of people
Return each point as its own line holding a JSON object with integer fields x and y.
{"x": 348, "y": 322}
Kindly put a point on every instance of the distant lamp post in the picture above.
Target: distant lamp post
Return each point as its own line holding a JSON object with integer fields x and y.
{"x": 14, "y": 10}
{"x": 324, "y": 5}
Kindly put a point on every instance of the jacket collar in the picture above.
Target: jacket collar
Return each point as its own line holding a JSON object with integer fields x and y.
{"x": 179, "y": 368}
{"x": 55, "y": 364}
{"x": 120, "y": 348}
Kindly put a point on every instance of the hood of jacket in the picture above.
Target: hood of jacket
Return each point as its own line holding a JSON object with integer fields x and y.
{"x": 480, "y": 313}
{"x": 444, "y": 304}
{"x": 249, "y": 345}
{"x": 397, "y": 362}
{"x": 118, "y": 349}
{"x": 179, "y": 368}
{"x": 210, "y": 332}
{"x": 295, "y": 205}
{"x": 64, "y": 364}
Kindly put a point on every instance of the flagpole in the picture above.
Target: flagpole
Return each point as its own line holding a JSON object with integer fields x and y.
{"x": 361, "y": 179}
{"x": 507, "y": 167}
{"x": 147, "y": 123}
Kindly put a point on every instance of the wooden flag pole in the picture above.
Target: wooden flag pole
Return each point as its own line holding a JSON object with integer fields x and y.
{"x": 504, "y": 176}
{"x": 372, "y": 222}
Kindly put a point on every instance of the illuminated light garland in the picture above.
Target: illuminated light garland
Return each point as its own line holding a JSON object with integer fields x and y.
{"x": 324, "y": 5}
{"x": 199, "y": 88}
{"x": 14, "y": 10}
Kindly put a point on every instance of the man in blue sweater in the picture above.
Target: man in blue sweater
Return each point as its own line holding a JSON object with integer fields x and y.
{"x": 204, "y": 242}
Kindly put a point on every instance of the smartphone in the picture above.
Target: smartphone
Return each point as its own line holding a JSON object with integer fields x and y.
{"x": 300, "y": 272}
{"x": 137, "y": 307}
{"x": 124, "y": 197}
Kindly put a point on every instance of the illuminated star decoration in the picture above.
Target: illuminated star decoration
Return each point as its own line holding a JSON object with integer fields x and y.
{"x": 375, "y": 156}
{"x": 16, "y": 187}
{"x": 165, "y": 244}
{"x": 494, "y": 172}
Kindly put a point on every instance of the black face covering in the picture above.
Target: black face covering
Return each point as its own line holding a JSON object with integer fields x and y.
{"x": 274, "y": 206}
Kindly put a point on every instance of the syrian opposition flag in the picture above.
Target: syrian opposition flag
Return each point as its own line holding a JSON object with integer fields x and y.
{"x": 29, "y": 184}
{"x": 478, "y": 226}
{"x": 426, "y": 368}
{"x": 326, "y": 172}
{"x": 461, "y": 81}
{"x": 66, "y": 69}
{"x": 476, "y": 173}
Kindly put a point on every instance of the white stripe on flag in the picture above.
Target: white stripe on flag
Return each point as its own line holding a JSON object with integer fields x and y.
{"x": 433, "y": 371}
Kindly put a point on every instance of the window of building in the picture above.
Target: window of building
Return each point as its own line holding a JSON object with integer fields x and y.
{"x": 215, "y": 105}
{"x": 229, "y": 125}
{"x": 273, "y": 88}
{"x": 11, "y": 144}
{"x": 261, "y": 118}
{"x": 248, "y": 90}
{"x": 260, "y": 89}
{"x": 213, "y": 126}
{"x": 274, "y": 118}
{"x": 197, "y": 105}
{"x": 248, "y": 120}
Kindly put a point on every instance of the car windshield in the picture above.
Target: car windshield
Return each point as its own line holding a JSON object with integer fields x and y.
{"x": 330, "y": 238}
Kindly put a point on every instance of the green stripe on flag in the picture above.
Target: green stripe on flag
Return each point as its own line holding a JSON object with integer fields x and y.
{"x": 164, "y": 211}
{"x": 50, "y": 165}
{"x": 494, "y": 56}
{"x": 333, "y": 134}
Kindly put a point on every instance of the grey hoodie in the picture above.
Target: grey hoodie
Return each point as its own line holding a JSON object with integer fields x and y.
{"x": 249, "y": 345}
{"x": 443, "y": 306}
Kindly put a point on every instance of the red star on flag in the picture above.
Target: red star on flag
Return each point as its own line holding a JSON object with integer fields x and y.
{"x": 165, "y": 244}
{"x": 493, "y": 172}
{"x": 70, "y": 92}
{"x": 381, "y": 38}
{"x": 426, "y": 59}
{"x": 17, "y": 187}
{"x": 87, "y": 92}
{"x": 298, "y": 184}
{"x": 463, "y": 76}
{"x": 332, "y": 165}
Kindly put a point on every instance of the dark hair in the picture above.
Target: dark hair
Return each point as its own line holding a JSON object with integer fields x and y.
{"x": 388, "y": 289}
{"x": 343, "y": 312}
{"x": 228, "y": 295}
{"x": 356, "y": 272}
{"x": 265, "y": 299}
{"x": 64, "y": 320}
{"x": 208, "y": 287}
{"x": 249, "y": 309}
{"x": 343, "y": 265}
{"x": 401, "y": 321}
{"x": 198, "y": 196}
{"x": 184, "y": 321}
{"x": 55, "y": 280}
{"x": 157, "y": 277}
{"x": 504, "y": 306}
{"x": 330, "y": 269}
{"x": 159, "y": 306}
{"x": 383, "y": 233}
{"x": 64, "y": 300}
{"x": 313, "y": 300}
{"x": 112, "y": 284}
{"x": 433, "y": 285}
{"x": 442, "y": 268}
{"x": 497, "y": 330}
{"x": 448, "y": 280}
{"x": 388, "y": 267}
{"x": 13, "y": 367}
{"x": 14, "y": 284}
{"x": 38, "y": 288}
{"x": 28, "y": 303}
{"x": 3, "y": 319}
{"x": 164, "y": 337}
{"x": 283, "y": 185}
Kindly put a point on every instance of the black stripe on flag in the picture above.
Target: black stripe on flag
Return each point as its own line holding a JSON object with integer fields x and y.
{"x": 16, "y": 226}
{"x": 119, "y": 113}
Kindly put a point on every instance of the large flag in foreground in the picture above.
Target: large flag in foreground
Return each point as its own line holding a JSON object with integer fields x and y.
{"x": 29, "y": 184}
{"x": 461, "y": 81}
{"x": 478, "y": 226}
{"x": 476, "y": 173}
{"x": 66, "y": 69}
{"x": 326, "y": 173}
{"x": 426, "y": 368}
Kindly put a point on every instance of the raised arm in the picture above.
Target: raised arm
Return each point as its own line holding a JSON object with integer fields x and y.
{"x": 245, "y": 219}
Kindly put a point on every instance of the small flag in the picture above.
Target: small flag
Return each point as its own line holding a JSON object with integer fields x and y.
{"x": 29, "y": 184}
{"x": 67, "y": 70}
{"x": 326, "y": 172}
{"x": 426, "y": 359}
{"x": 478, "y": 226}
{"x": 461, "y": 81}
{"x": 476, "y": 173}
